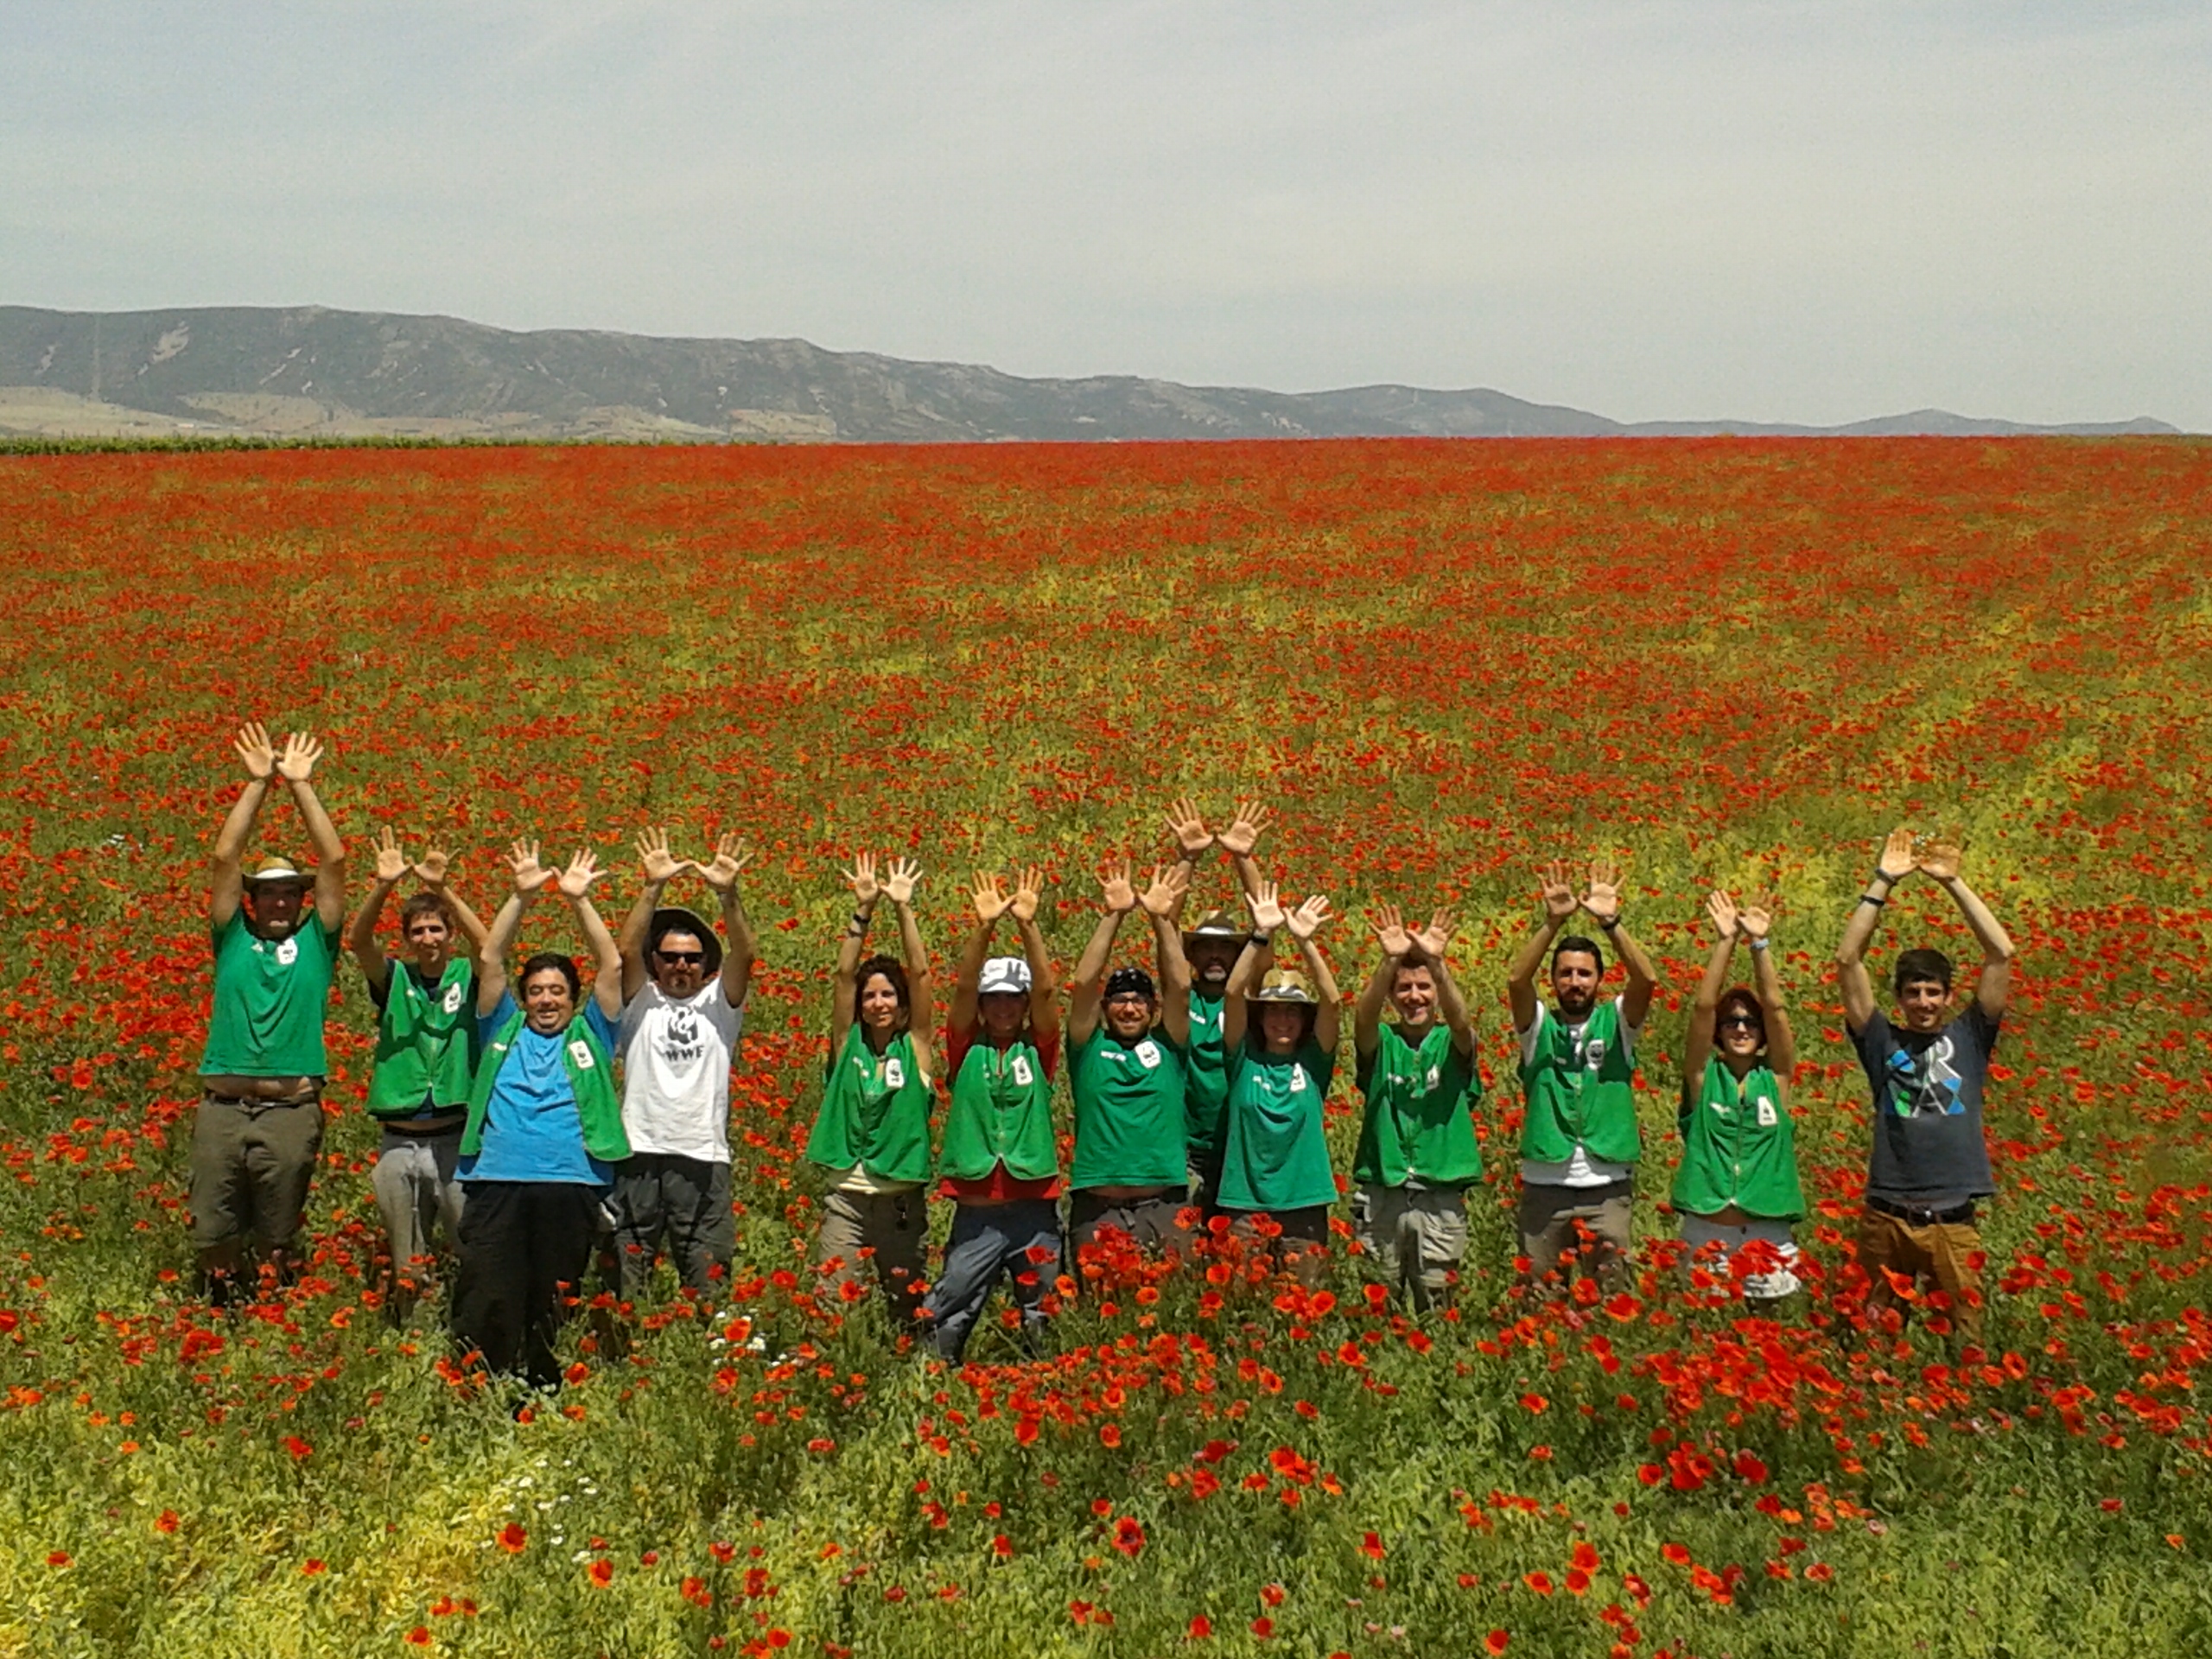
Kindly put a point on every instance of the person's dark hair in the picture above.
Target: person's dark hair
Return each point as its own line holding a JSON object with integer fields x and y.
{"x": 1574, "y": 942}
{"x": 425, "y": 904}
{"x": 893, "y": 969}
{"x": 560, "y": 964}
{"x": 1914, "y": 966}
{"x": 1741, "y": 996}
{"x": 1124, "y": 980}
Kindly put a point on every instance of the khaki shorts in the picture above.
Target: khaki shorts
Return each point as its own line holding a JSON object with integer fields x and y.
{"x": 251, "y": 1161}
{"x": 1935, "y": 1254}
{"x": 1416, "y": 1235}
{"x": 891, "y": 1226}
{"x": 1554, "y": 1219}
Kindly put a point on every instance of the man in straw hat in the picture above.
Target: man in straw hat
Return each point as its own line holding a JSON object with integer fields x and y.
{"x": 1211, "y": 947}
{"x": 259, "y": 1127}
{"x": 1280, "y": 1027}
{"x": 1580, "y": 1141}
{"x": 683, "y": 1011}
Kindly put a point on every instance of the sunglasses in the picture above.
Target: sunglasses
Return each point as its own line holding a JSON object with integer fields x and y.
{"x": 683, "y": 958}
{"x": 1741, "y": 1022}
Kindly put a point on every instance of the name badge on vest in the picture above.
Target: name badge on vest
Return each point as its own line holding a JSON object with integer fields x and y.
{"x": 452, "y": 1001}
{"x": 894, "y": 1073}
{"x": 1022, "y": 1074}
{"x": 1593, "y": 1055}
{"x": 288, "y": 951}
{"x": 1148, "y": 1053}
{"x": 1435, "y": 1077}
{"x": 580, "y": 1051}
{"x": 1767, "y": 1116}
{"x": 1297, "y": 1079}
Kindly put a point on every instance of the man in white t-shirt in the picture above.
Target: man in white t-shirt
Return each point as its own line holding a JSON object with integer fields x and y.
{"x": 1579, "y": 1139}
{"x": 682, "y": 1010}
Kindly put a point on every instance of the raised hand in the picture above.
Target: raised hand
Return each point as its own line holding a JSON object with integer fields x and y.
{"x": 1390, "y": 930}
{"x": 721, "y": 872}
{"x": 1307, "y": 919}
{"x": 1245, "y": 829}
{"x": 862, "y": 878}
{"x": 1120, "y": 897}
{"x": 1266, "y": 907}
{"x": 391, "y": 861}
{"x": 430, "y": 869}
{"x": 1169, "y": 883}
{"x": 1896, "y": 861}
{"x": 987, "y": 892}
{"x": 575, "y": 880}
{"x": 1559, "y": 901}
{"x": 1756, "y": 920}
{"x": 530, "y": 875}
{"x": 1188, "y": 827}
{"x": 1727, "y": 921}
{"x": 1939, "y": 859}
{"x": 1602, "y": 898}
{"x": 296, "y": 764}
{"x": 898, "y": 883}
{"x": 661, "y": 866}
{"x": 1028, "y": 893}
{"x": 1435, "y": 939}
{"x": 255, "y": 749}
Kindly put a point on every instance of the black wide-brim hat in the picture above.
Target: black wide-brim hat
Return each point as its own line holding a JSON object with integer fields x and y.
{"x": 675, "y": 919}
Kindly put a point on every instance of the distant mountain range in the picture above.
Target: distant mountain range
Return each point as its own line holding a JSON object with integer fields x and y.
{"x": 312, "y": 372}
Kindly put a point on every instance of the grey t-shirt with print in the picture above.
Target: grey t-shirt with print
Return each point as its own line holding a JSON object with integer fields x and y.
{"x": 1929, "y": 1148}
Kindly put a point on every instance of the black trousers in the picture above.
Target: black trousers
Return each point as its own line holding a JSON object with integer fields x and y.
{"x": 524, "y": 1246}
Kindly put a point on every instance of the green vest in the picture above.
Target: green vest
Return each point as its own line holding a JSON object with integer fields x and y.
{"x": 1128, "y": 1110}
{"x": 1002, "y": 1113}
{"x": 1580, "y": 1093}
{"x": 270, "y": 997}
{"x": 876, "y": 1111}
{"x": 1417, "y": 1124}
{"x": 1275, "y": 1153}
{"x": 1738, "y": 1147}
{"x": 1206, "y": 1083}
{"x": 591, "y": 1080}
{"x": 425, "y": 1041}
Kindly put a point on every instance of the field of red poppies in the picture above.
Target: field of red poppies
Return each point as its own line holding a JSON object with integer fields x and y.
{"x": 1724, "y": 661}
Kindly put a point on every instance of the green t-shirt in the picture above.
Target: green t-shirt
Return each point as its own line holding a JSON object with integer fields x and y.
{"x": 1206, "y": 1083}
{"x": 1738, "y": 1147}
{"x": 271, "y": 998}
{"x": 1417, "y": 1128}
{"x": 1128, "y": 1110}
{"x": 426, "y": 1040}
{"x": 1275, "y": 1152}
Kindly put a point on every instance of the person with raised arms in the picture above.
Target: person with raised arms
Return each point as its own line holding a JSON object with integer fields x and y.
{"x": 1417, "y": 1152}
{"x": 1280, "y": 1027}
{"x": 425, "y": 1059}
{"x": 258, "y": 1130}
{"x": 1927, "y": 1069}
{"x": 1736, "y": 1189}
{"x": 1580, "y": 1141}
{"x": 544, "y": 1131}
{"x": 872, "y": 1133}
{"x": 1000, "y": 1162}
{"x": 683, "y": 1010}
{"x": 1129, "y": 1038}
{"x": 1210, "y": 946}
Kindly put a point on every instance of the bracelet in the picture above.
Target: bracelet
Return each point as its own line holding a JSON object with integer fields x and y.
{"x": 1761, "y": 945}
{"x": 1884, "y": 877}
{"x": 1259, "y": 938}
{"x": 1869, "y": 899}
{"x": 1609, "y": 925}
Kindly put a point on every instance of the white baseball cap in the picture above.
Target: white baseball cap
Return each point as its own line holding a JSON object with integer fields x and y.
{"x": 1004, "y": 974}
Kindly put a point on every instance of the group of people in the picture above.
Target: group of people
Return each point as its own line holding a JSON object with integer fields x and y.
{"x": 533, "y": 1132}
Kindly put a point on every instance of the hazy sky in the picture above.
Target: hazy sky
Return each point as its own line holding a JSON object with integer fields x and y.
{"x": 1784, "y": 211}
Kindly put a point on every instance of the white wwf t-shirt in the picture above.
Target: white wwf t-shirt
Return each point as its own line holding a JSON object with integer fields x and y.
{"x": 675, "y": 1060}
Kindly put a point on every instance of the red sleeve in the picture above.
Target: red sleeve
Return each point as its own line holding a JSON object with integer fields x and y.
{"x": 1048, "y": 1053}
{"x": 957, "y": 1044}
